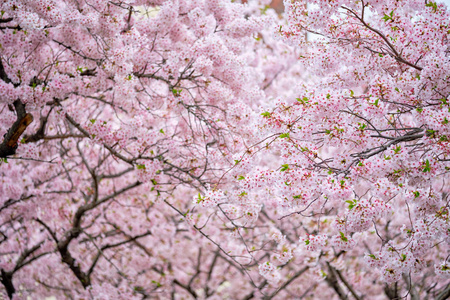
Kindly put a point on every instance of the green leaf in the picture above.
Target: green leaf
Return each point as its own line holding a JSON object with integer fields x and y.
{"x": 236, "y": 161}
{"x": 373, "y": 256}
{"x": 397, "y": 149}
{"x": 92, "y": 121}
{"x": 264, "y": 9}
{"x": 243, "y": 194}
{"x": 362, "y": 126}
{"x": 306, "y": 242}
{"x": 416, "y": 194}
{"x": 419, "y": 109}
{"x": 241, "y": 177}
{"x": 284, "y": 167}
{"x": 176, "y": 92}
{"x": 328, "y": 96}
{"x": 284, "y": 135}
{"x": 199, "y": 198}
{"x": 352, "y": 93}
{"x": 433, "y": 5}
{"x": 157, "y": 283}
{"x": 140, "y": 167}
{"x": 343, "y": 236}
{"x": 266, "y": 114}
{"x": 303, "y": 100}
{"x": 352, "y": 203}
{"x": 426, "y": 168}
{"x": 162, "y": 131}
{"x": 388, "y": 17}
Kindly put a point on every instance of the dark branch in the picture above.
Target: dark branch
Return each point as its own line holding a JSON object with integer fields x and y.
{"x": 24, "y": 119}
{"x": 6, "y": 280}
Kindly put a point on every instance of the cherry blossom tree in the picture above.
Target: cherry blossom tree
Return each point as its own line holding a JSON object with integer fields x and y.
{"x": 205, "y": 149}
{"x": 113, "y": 115}
{"x": 357, "y": 160}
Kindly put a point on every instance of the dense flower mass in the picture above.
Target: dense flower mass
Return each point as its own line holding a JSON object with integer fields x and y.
{"x": 214, "y": 149}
